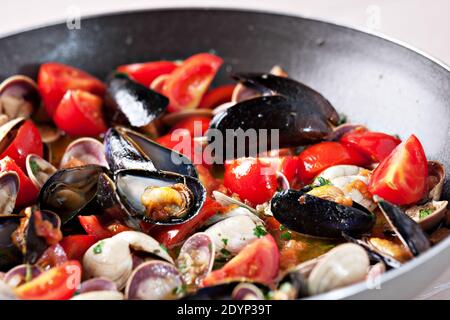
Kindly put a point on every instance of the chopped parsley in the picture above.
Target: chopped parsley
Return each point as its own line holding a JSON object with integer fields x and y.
{"x": 259, "y": 231}
{"x": 225, "y": 252}
{"x": 323, "y": 182}
{"x": 423, "y": 213}
{"x": 34, "y": 167}
{"x": 225, "y": 241}
{"x": 286, "y": 236}
{"x": 99, "y": 247}
{"x": 164, "y": 248}
{"x": 179, "y": 290}
{"x": 342, "y": 118}
{"x": 282, "y": 227}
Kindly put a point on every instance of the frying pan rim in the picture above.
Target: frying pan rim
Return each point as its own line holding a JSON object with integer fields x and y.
{"x": 337, "y": 293}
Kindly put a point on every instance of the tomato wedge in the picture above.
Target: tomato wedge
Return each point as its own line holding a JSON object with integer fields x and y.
{"x": 258, "y": 262}
{"x": 93, "y": 227}
{"x": 287, "y": 165}
{"x": 217, "y": 96}
{"x": 146, "y": 72}
{"x": 195, "y": 126}
{"x": 321, "y": 156}
{"x": 252, "y": 179}
{"x": 75, "y": 246}
{"x": 58, "y": 283}
{"x": 27, "y": 140}
{"x": 27, "y": 191}
{"x": 375, "y": 145}
{"x": 186, "y": 84}
{"x": 54, "y": 79}
{"x": 80, "y": 114}
{"x": 402, "y": 177}
{"x": 171, "y": 236}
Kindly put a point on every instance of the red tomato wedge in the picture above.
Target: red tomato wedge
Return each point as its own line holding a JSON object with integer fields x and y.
{"x": 258, "y": 262}
{"x": 146, "y": 72}
{"x": 402, "y": 177}
{"x": 217, "y": 96}
{"x": 195, "y": 126}
{"x": 287, "y": 165}
{"x": 252, "y": 179}
{"x": 58, "y": 283}
{"x": 186, "y": 84}
{"x": 375, "y": 145}
{"x": 171, "y": 236}
{"x": 76, "y": 246}
{"x": 93, "y": 227}
{"x": 80, "y": 114}
{"x": 27, "y": 191}
{"x": 321, "y": 156}
{"x": 54, "y": 79}
{"x": 27, "y": 140}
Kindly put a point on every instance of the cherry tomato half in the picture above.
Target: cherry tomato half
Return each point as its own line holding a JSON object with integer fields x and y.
{"x": 54, "y": 79}
{"x": 258, "y": 262}
{"x": 146, "y": 72}
{"x": 375, "y": 145}
{"x": 217, "y": 96}
{"x": 321, "y": 156}
{"x": 186, "y": 84}
{"x": 287, "y": 165}
{"x": 27, "y": 140}
{"x": 252, "y": 179}
{"x": 58, "y": 283}
{"x": 80, "y": 114}
{"x": 75, "y": 246}
{"x": 27, "y": 191}
{"x": 402, "y": 177}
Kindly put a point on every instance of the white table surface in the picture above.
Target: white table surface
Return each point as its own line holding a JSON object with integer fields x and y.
{"x": 421, "y": 23}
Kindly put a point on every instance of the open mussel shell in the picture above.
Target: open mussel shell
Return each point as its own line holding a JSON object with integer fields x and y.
{"x": 293, "y": 284}
{"x": 84, "y": 151}
{"x": 318, "y": 217}
{"x": 130, "y": 103}
{"x": 131, "y": 185}
{"x": 19, "y": 97}
{"x": 71, "y": 190}
{"x": 155, "y": 280}
{"x": 9, "y": 188}
{"x": 38, "y": 170}
{"x": 10, "y": 255}
{"x": 409, "y": 231}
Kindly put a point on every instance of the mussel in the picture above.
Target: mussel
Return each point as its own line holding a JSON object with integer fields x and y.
{"x": 10, "y": 255}
{"x": 307, "y": 214}
{"x": 130, "y": 103}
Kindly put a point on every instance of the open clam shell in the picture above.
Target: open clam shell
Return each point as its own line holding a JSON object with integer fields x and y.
{"x": 435, "y": 212}
{"x": 21, "y": 274}
{"x": 38, "y": 170}
{"x": 84, "y": 151}
{"x": 436, "y": 177}
{"x": 19, "y": 97}
{"x": 9, "y": 188}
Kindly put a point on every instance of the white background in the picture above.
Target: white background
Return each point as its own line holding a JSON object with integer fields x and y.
{"x": 421, "y": 23}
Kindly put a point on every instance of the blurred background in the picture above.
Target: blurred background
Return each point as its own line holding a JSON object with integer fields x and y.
{"x": 423, "y": 24}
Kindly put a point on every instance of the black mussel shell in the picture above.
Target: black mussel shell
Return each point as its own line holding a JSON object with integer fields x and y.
{"x": 130, "y": 103}
{"x": 297, "y": 124}
{"x": 10, "y": 255}
{"x": 409, "y": 231}
{"x": 70, "y": 191}
{"x": 314, "y": 216}
{"x": 271, "y": 84}
{"x": 131, "y": 184}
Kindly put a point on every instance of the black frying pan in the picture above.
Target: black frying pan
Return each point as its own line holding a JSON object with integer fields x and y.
{"x": 372, "y": 80}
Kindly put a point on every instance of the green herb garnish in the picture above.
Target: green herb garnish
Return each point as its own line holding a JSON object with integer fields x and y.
{"x": 99, "y": 247}
{"x": 259, "y": 231}
{"x": 179, "y": 290}
{"x": 286, "y": 236}
{"x": 423, "y": 213}
{"x": 282, "y": 227}
{"x": 323, "y": 182}
{"x": 225, "y": 241}
{"x": 225, "y": 252}
{"x": 164, "y": 248}
{"x": 34, "y": 167}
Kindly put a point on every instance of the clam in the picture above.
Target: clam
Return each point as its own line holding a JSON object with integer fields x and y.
{"x": 436, "y": 177}
{"x": 293, "y": 284}
{"x": 343, "y": 265}
{"x": 314, "y": 216}
{"x": 9, "y": 188}
{"x": 49, "y": 133}
{"x": 21, "y": 274}
{"x": 10, "y": 255}
{"x": 428, "y": 215}
{"x": 96, "y": 285}
{"x": 99, "y": 295}
{"x": 155, "y": 280}
{"x": 130, "y": 103}
{"x": 196, "y": 258}
{"x": 84, "y": 151}
{"x": 6, "y": 292}
{"x": 159, "y": 197}
{"x": 234, "y": 211}
{"x": 19, "y": 97}
{"x": 39, "y": 170}
{"x": 247, "y": 291}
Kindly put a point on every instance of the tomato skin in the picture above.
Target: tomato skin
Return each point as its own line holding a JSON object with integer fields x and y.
{"x": 28, "y": 140}
{"x": 58, "y": 283}
{"x": 252, "y": 179}
{"x": 321, "y": 156}
{"x": 287, "y": 165}
{"x": 93, "y": 227}
{"x": 186, "y": 84}
{"x": 146, "y": 72}
{"x": 171, "y": 236}
{"x": 80, "y": 114}
{"x": 375, "y": 145}
{"x": 195, "y": 126}
{"x": 27, "y": 191}
{"x": 402, "y": 177}
{"x": 217, "y": 96}
{"x": 54, "y": 79}
{"x": 258, "y": 262}
{"x": 75, "y": 246}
